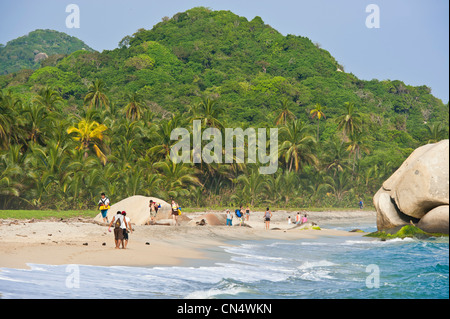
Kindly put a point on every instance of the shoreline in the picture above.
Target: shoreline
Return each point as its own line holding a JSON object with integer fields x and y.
{"x": 64, "y": 242}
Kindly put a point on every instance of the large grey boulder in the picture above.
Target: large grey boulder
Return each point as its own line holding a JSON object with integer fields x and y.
{"x": 417, "y": 187}
{"x": 137, "y": 208}
{"x": 436, "y": 220}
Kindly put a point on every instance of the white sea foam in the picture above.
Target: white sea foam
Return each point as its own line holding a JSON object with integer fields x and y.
{"x": 230, "y": 289}
{"x": 315, "y": 264}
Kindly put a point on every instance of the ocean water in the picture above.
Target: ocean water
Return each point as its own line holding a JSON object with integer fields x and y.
{"x": 325, "y": 268}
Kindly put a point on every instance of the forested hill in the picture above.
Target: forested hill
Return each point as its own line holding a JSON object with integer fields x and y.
{"x": 29, "y": 50}
{"x": 340, "y": 136}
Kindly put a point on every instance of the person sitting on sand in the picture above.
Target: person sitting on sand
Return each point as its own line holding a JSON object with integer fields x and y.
{"x": 126, "y": 228}
{"x": 175, "y": 212}
{"x": 153, "y": 211}
{"x": 267, "y": 217}
{"x": 229, "y": 218}
{"x": 304, "y": 219}
{"x": 103, "y": 205}
{"x": 118, "y": 220}
{"x": 298, "y": 219}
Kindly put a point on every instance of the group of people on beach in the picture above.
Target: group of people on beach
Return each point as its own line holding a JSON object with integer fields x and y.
{"x": 240, "y": 214}
{"x": 245, "y": 215}
{"x": 122, "y": 226}
{"x": 121, "y": 222}
{"x": 299, "y": 219}
{"x": 175, "y": 211}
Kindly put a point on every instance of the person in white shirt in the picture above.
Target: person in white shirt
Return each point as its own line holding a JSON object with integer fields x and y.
{"x": 126, "y": 228}
{"x": 229, "y": 218}
{"x": 102, "y": 204}
{"x": 118, "y": 220}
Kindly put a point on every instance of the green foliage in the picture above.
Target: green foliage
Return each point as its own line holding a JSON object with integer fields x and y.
{"x": 21, "y": 53}
{"x": 140, "y": 62}
{"x": 226, "y": 71}
{"x": 408, "y": 231}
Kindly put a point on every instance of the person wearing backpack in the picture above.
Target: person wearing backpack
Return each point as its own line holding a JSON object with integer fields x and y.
{"x": 126, "y": 228}
{"x": 239, "y": 215}
{"x": 117, "y": 221}
{"x": 267, "y": 217}
{"x": 103, "y": 205}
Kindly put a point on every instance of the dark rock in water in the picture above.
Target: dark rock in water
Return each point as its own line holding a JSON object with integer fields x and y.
{"x": 356, "y": 231}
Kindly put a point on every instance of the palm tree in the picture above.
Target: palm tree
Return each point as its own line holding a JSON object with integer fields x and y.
{"x": 134, "y": 109}
{"x": 297, "y": 147}
{"x": 36, "y": 118}
{"x": 10, "y": 121}
{"x": 436, "y": 132}
{"x": 96, "y": 96}
{"x": 5, "y": 122}
{"x": 335, "y": 155}
{"x": 253, "y": 185}
{"x": 285, "y": 113}
{"x": 48, "y": 98}
{"x": 10, "y": 186}
{"x": 208, "y": 112}
{"x": 357, "y": 145}
{"x": 89, "y": 134}
{"x": 339, "y": 185}
{"x": 164, "y": 142}
{"x": 318, "y": 112}
{"x": 282, "y": 186}
{"x": 351, "y": 121}
{"x": 176, "y": 178}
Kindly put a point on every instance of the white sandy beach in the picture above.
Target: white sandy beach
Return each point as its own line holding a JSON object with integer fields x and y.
{"x": 83, "y": 242}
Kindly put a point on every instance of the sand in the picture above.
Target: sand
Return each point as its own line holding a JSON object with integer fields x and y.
{"x": 84, "y": 242}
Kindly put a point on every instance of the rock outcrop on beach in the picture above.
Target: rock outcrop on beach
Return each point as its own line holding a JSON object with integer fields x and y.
{"x": 137, "y": 209}
{"x": 209, "y": 219}
{"x": 417, "y": 192}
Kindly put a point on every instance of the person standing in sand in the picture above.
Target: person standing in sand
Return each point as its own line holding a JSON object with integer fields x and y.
{"x": 118, "y": 220}
{"x": 126, "y": 228}
{"x": 175, "y": 212}
{"x": 103, "y": 205}
{"x": 267, "y": 217}
{"x": 247, "y": 213}
{"x": 240, "y": 215}
{"x": 229, "y": 218}
{"x": 153, "y": 211}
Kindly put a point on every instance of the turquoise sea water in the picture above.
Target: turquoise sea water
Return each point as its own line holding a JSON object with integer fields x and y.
{"x": 334, "y": 267}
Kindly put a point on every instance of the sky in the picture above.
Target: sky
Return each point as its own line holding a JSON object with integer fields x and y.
{"x": 411, "y": 43}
